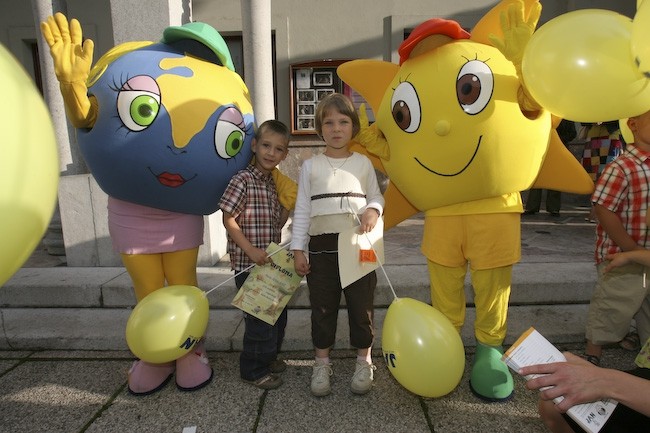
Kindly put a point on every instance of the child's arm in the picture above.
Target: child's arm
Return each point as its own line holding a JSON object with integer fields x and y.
{"x": 257, "y": 255}
{"x": 612, "y": 224}
{"x": 641, "y": 257}
{"x": 300, "y": 262}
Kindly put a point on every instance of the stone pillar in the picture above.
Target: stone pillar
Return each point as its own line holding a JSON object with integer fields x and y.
{"x": 258, "y": 58}
{"x": 70, "y": 160}
{"x": 129, "y": 25}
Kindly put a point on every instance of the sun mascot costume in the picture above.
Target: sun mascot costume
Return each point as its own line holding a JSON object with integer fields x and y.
{"x": 459, "y": 136}
{"x": 162, "y": 127}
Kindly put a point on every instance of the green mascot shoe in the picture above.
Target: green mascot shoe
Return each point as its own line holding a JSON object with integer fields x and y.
{"x": 490, "y": 379}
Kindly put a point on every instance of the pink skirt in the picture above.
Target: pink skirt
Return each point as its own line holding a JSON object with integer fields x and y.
{"x": 137, "y": 229}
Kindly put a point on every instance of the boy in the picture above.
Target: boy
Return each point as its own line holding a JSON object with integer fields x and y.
{"x": 254, "y": 217}
{"x": 621, "y": 202}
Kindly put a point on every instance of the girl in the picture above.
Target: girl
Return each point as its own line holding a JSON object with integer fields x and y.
{"x": 333, "y": 188}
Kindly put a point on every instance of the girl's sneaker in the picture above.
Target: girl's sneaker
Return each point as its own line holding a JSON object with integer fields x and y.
{"x": 320, "y": 379}
{"x": 363, "y": 377}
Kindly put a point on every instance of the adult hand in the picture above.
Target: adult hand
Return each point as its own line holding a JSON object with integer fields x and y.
{"x": 577, "y": 380}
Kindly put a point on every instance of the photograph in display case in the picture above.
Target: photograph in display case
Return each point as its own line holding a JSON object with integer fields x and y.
{"x": 306, "y": 123}
{"x": 306, "y": 95}
{"x": 306, "y": 109}
{"x": 321, "y": 93}
{"x": 323, "y": 78}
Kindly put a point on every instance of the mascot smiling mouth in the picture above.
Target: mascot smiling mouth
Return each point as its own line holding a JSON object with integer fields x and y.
{"x": 172, "y": 180}
{"x": 459, "y": 171}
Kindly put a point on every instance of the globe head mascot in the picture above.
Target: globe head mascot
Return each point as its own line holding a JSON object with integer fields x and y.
{"x": 458, "y": 136}
{"x": 162, "y": 127}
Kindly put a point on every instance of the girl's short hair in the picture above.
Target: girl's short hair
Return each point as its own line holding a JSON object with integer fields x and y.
{"x": 340, "y": 103}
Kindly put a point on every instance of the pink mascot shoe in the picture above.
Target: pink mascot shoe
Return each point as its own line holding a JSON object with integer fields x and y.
{"x": 146, "y": 378}
{"x": 193, "y": 370}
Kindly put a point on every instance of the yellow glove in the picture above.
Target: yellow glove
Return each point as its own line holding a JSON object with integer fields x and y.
{"x": 287, "y": 189}
{"x": 72, "y": 61}
{"x": 517, "y": 31}
{"x": 370, "y": 138}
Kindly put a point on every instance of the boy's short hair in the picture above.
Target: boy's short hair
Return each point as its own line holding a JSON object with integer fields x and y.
{"x": 340, "y": 103}
{"x": 274, "y": 126}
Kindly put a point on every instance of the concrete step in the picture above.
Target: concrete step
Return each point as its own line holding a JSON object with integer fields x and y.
{"x": 103, "y": 328}
{"x": 533, "y": 284}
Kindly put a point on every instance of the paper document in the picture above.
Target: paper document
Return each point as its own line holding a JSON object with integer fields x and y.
{"x": 352, "y": 245}
{"x": 268, "y": 288}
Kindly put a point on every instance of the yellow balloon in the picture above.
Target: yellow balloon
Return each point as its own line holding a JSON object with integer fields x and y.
{"x": 28, "y": 165}
{"x": 626, "y": 133}
{"x": 167, "y": 323}
{"x": 641, "y": 38}
{"x": 579, "y": 66}
{"x": 422, "y": 349}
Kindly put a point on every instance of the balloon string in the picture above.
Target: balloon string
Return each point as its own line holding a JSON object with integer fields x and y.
{"x": 245, "y": 270}
{"x": 377, "y": 255}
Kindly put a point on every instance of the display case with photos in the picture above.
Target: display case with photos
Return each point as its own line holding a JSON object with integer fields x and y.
{"x": 311, "y": 82}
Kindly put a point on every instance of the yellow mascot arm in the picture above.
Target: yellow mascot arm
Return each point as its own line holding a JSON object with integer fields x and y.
{"x": 517, "y": 31}
{"x": 72, "y": 61}
{"x": 370, "y": 138}
{"x": 287, "y": 189}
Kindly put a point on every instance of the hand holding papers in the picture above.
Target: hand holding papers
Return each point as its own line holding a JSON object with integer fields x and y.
{"x": 532, "y": 349}
{"x": 268, "y": 288}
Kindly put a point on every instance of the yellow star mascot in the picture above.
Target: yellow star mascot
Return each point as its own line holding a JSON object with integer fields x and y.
{"x": 459, "y": 136}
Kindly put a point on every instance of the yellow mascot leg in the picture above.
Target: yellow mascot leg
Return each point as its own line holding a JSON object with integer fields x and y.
{"x": 448, "y": 291}
{"x": 146, "y": 272}
{"x": 491, "y": 296}
{"x": 490, "y": 378}
{"x": 149, "y": 272}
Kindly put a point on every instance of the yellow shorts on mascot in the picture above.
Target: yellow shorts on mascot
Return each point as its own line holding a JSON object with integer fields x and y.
{"x": 162, "y": 126}
{"x": 459, "y": 136}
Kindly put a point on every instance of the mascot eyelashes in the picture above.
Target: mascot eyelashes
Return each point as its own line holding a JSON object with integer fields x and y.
{"x": 162, "y": 127}
{"x": 459, "y": 136}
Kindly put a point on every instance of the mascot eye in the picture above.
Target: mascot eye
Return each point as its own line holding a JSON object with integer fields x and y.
{"x": 474, "y": 86}
{"x": 137, "y": 109}
{"x": 228, "y": 139}
{"x": 406, "y": 107}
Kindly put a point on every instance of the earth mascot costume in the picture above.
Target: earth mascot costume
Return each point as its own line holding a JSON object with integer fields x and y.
{"x": 459, "y": 136}
{"x": 162, "y": 127}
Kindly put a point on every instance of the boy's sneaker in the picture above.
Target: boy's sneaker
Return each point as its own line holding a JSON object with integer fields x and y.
{"x": 363, "y": 377}
{"x": 270, "y": 381}
{"x": 320, "y": 379}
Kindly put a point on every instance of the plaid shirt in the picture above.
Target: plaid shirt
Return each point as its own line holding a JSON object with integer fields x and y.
{"x": 623, "y": 189}
{"x": 252, "y": 199}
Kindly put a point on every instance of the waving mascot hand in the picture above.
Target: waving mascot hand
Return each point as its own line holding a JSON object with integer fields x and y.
{"x": 163, "y": 127}
{"x": 459, "y": 136}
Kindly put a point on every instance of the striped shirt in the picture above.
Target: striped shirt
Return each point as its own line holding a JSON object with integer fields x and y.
{"x": 252, "y": 199}
{"x": 622, "y": 188}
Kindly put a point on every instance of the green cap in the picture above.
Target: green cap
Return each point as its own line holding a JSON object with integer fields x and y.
{"x": 203, "y": 33}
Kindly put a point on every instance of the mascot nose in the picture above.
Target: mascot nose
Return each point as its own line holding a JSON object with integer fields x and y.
{"x": 442, "y": 127}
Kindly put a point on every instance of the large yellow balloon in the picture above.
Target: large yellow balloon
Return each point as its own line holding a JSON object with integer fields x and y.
{"x": 28, "y": 165}
{"x": 626, "y": 132}
{"x": 167, "y": 323}
{"x": 579, "y": 66}
{"x": 641, "y": 38}
{"x": 422, "y": 349}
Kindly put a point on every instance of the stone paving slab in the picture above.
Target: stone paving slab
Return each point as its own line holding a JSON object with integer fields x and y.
{"x": 74, "y": 391}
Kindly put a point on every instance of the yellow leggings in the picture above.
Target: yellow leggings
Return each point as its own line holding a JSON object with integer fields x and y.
{"x": 149, "y": 272}
{"x": 491, "y": 296}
